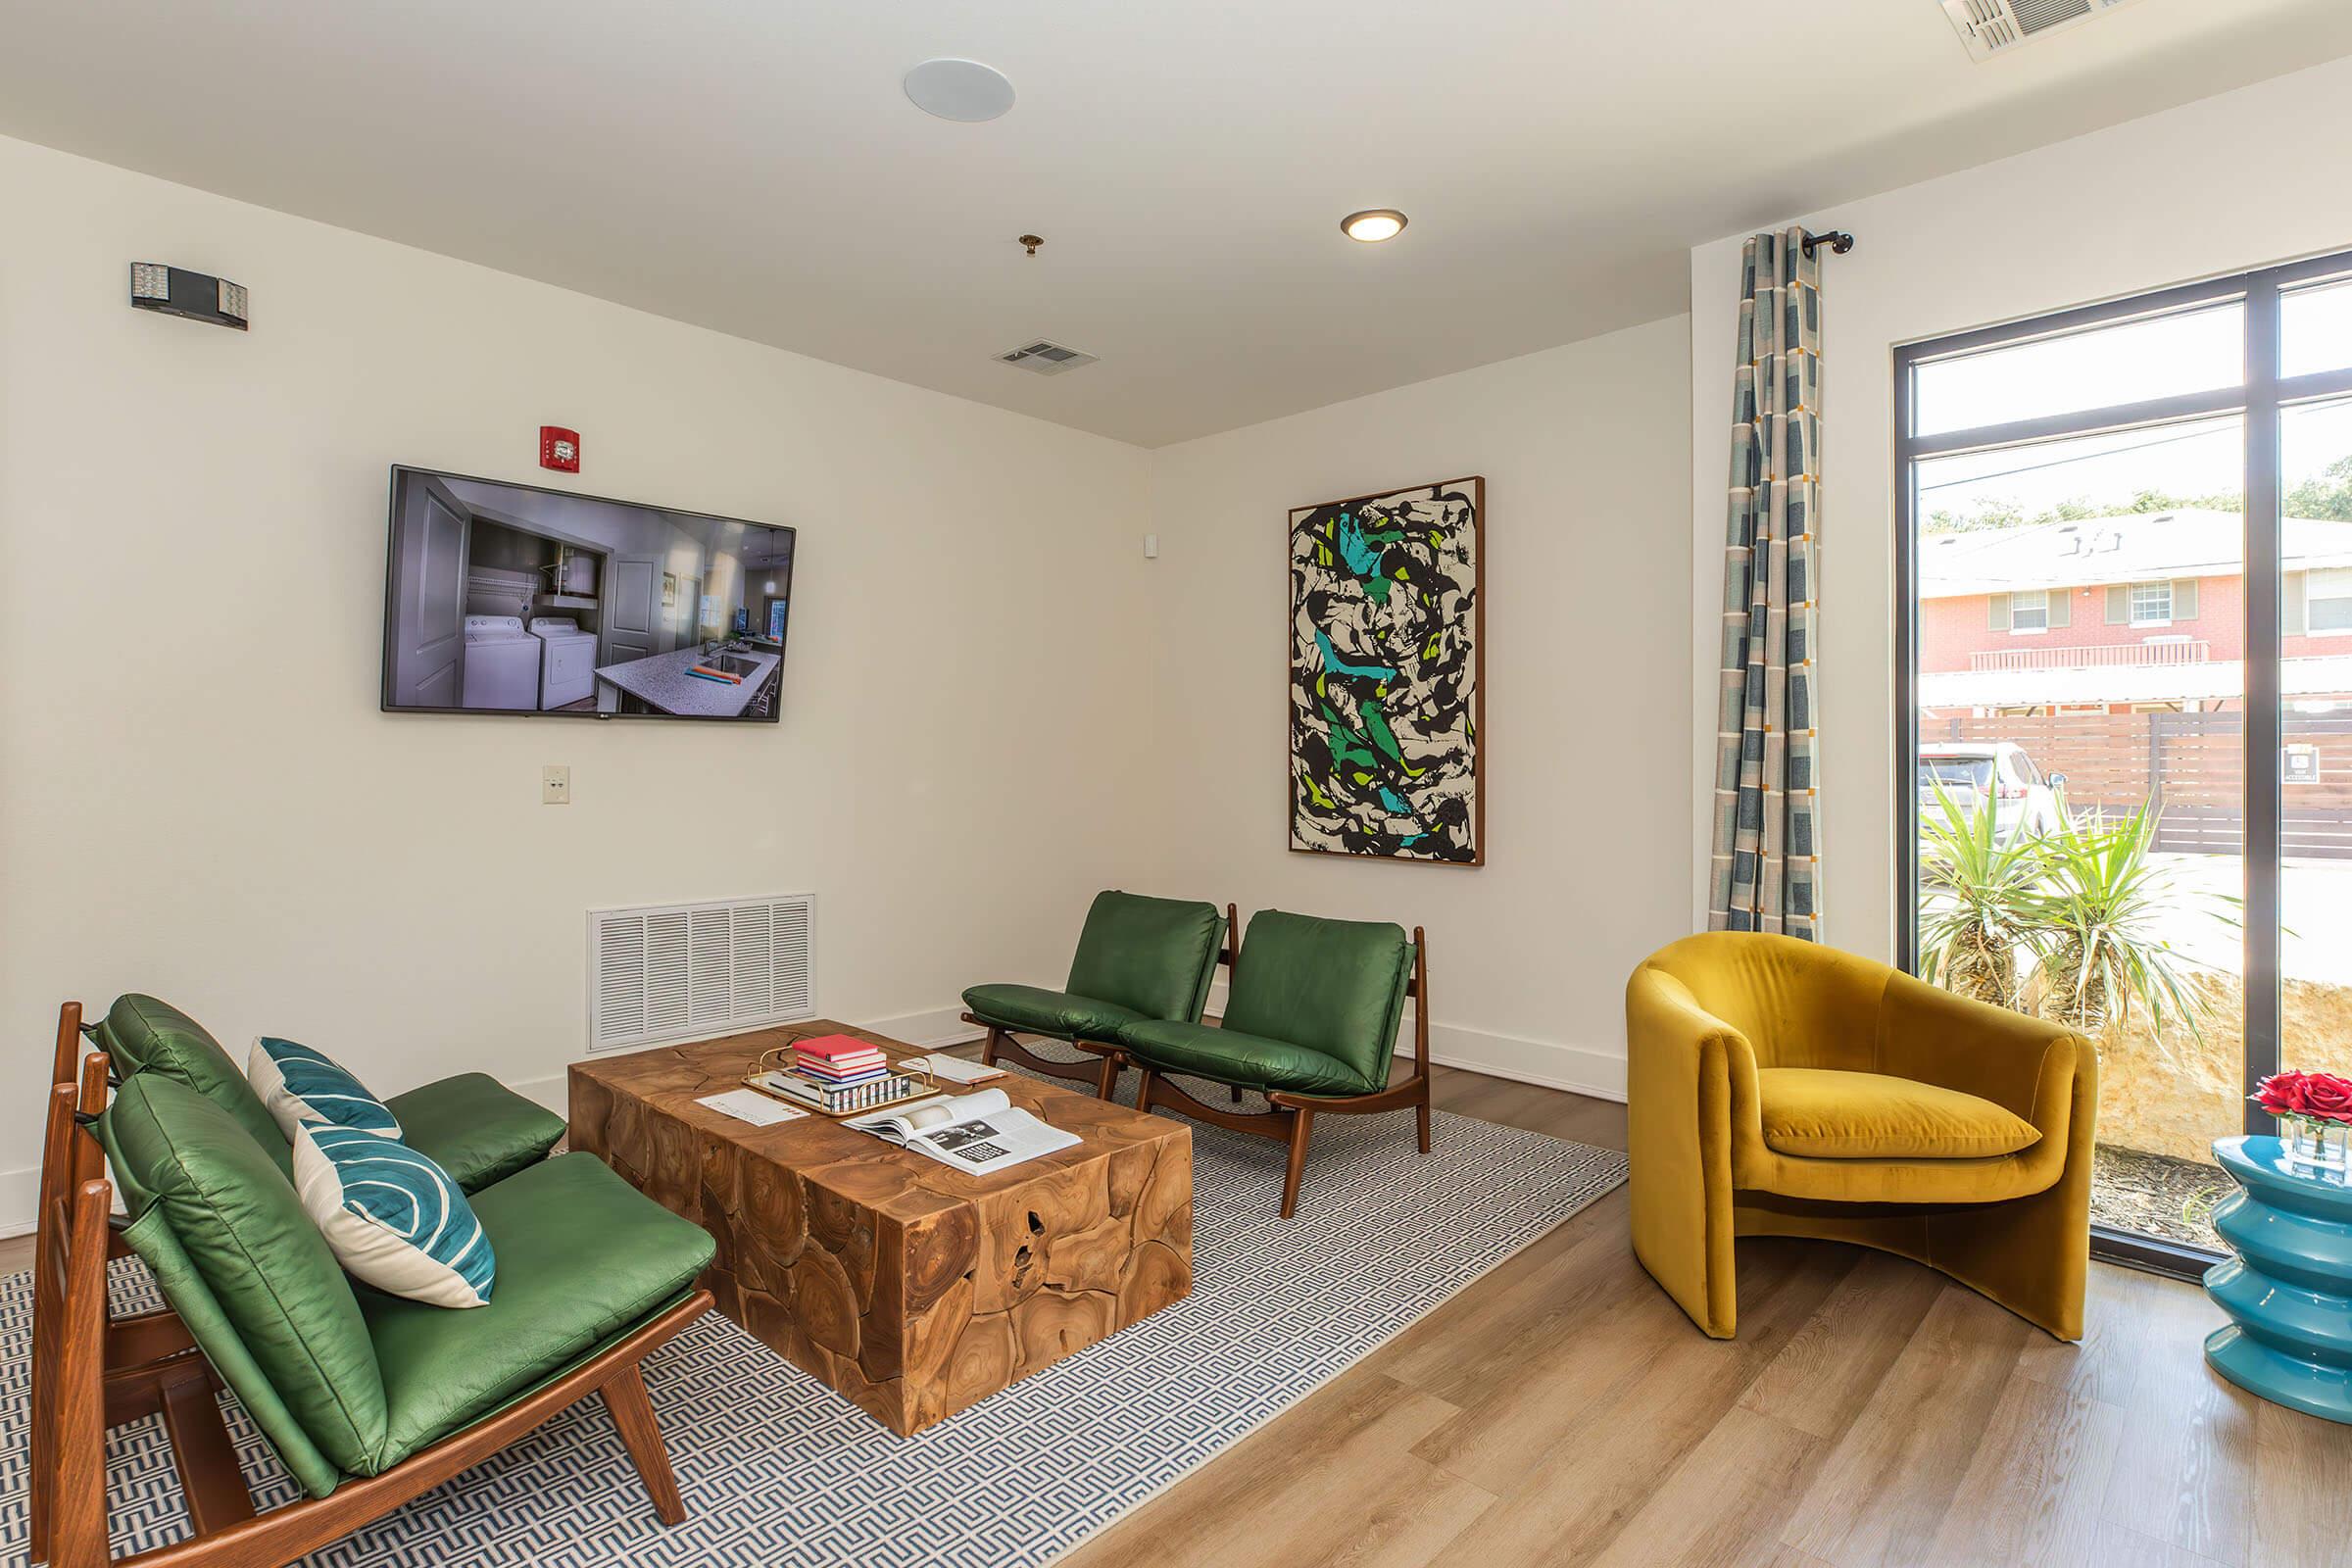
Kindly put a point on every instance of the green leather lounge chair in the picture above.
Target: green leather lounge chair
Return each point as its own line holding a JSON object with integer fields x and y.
{"x": 1310, "y": 1022}
{"x": 1139, "y": 959}
{"x": 369, "y": 1400}
{"x": 476, "y": 1128}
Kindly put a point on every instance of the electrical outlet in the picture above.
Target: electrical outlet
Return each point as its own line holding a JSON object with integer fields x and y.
{"x": 555, "y": 785}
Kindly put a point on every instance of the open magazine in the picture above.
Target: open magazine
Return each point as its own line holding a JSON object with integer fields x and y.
{"x": 983, "y": 1132}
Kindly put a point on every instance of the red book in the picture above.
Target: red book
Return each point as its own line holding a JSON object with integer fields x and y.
{"x": 827, "y": 1047}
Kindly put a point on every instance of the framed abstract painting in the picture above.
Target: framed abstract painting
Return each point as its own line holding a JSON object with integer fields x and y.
{"x": 1387, "y": 696}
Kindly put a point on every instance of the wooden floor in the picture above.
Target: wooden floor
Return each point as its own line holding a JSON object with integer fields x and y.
{"x": 1563, "y": 1412}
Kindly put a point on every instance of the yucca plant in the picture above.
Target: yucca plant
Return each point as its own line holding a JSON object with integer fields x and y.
{"x": 2097, "y": 911}
{"x": 1977, "y": 901}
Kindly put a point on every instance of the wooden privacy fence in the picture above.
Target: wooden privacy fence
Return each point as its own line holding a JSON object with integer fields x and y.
{"x": 2194, "y": 764}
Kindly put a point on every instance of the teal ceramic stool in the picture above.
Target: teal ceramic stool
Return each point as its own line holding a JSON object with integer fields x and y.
{"x": 2289, "y": 1288}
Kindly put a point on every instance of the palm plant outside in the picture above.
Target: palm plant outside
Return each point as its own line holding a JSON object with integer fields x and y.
{"x": 2083, "y": 908}
{"x": 1976, "y": 918}
{"x": 2100, "y": 908}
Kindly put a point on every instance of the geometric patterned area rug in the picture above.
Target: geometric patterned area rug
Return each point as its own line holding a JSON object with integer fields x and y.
{"x": 778, "y": 1469}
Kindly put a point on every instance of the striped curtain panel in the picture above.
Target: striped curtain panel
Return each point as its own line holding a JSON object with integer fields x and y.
{"x": 1766, "y": 857}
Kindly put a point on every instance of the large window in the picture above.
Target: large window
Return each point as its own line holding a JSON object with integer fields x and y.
{"x": 2157, "y": 492}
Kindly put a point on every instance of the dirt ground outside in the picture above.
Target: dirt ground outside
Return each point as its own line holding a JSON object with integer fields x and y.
{"x": 2174, "y": 1095}
{"x": 2156, "y": 1195}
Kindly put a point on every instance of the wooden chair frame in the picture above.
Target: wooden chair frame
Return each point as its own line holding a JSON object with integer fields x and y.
{"x": 1293, "y": 1118}
{"x": 1104, "y": 1073}
{"x": 92, "y": 1372}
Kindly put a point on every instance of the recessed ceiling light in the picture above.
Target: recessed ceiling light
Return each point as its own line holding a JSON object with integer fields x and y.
{"x": 1381, "y": 222}
{"x": 960, "y": 89}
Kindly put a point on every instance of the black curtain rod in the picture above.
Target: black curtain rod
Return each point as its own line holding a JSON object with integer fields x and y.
{"x": 1836, "y": 239}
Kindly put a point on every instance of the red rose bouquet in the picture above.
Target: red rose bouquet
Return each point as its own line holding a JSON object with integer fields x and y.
{"x": 2311, "y": 1096}
{"x": 2315, "y": 1119}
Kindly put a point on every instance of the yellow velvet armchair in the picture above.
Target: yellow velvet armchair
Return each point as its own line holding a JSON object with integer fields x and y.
{"x": 1779, "y": 1088}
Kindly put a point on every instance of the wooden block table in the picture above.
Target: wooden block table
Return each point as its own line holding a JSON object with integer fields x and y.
{"x": 912, "y": 1287}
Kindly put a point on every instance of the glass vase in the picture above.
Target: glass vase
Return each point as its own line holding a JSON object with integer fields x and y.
{"x": 2317, "y": 1145}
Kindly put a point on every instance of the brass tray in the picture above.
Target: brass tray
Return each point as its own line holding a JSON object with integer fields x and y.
{"x": 911, "y": 1085}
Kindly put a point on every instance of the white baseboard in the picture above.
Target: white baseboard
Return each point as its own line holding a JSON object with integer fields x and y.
{"x": 553, "y": 1091}
{"x": 1548, "y": 1064}
{"x": 934, "y": 1030}
{"x": 1545, "y": 1063}
{"x": 20, "y": 1200}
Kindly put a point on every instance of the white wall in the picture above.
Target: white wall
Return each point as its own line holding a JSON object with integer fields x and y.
{"x": 994, "y": 704}
{"x": 201, "y": 799}
{"x": 1588, "y": 567}
{"x": 2219, "y": 186}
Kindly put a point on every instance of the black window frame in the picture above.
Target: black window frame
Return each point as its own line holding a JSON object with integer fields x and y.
{"x": 2259, "y": 401}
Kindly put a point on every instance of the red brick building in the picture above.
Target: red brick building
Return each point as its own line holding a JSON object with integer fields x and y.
{"x": 2127, "y": 613}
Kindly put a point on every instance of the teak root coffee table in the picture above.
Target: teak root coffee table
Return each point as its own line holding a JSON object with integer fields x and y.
{"x": 913, "y": 1288}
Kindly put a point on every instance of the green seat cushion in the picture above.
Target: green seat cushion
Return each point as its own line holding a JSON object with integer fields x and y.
{"x": 276, "y": 1285}
{"x": 476, "y": 1128}
{"x": 140, "y": 1034}
{"x": 1050, "y": 1012}
{"x": 1230, "y": 1056}
{"x": 1336, "y": 987}
{"x": 1153, "y": 957}
{"x": 581, "y": 1256}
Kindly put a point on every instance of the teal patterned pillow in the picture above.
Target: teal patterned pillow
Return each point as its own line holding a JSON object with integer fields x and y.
{"x": 392, "y": 1216}
{"x": 304, "y": 1087}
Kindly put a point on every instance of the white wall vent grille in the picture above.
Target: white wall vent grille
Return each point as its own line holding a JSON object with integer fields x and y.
{"x": 674, "y": 971}
{"x": 1992, "y": 27}
{"x": 1041, "y": 358}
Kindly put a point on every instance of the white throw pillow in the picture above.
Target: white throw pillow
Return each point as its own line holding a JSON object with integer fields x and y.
{"x": 393, "y": 1217}
{"x": 304, "y": 1086}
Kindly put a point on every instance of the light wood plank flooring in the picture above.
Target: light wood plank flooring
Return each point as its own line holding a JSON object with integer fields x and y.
{"x": 1563, "y": 1412}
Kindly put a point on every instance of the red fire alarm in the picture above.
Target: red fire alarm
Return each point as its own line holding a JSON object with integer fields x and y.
{"x": 559, "y": 448}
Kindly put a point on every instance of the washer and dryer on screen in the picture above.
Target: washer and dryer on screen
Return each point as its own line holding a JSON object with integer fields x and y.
{"x": 500, "y": 668}
{"x": 567, "y": 662}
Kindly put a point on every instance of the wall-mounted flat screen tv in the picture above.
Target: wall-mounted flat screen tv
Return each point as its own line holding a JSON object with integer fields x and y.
{"x": 510, "y": 599}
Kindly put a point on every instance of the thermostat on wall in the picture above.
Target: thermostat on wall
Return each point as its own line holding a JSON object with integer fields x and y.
{"x": 559, "y": 448}
{"x": 197, "y": 295}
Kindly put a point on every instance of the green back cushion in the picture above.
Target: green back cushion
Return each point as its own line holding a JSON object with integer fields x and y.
{"x": 276, "y": 1285}
{"x": 143, "y": 1035}
{"x": 1156, "y": 955}
{"x": 1333, "y": 986}
{"x": 150, "y": 1236}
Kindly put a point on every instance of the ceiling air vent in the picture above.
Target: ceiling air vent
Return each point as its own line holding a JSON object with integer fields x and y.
{"x": 1992, "y": 27}
{"x": 678, "y": 972}
{"x": 1045, "y": 359}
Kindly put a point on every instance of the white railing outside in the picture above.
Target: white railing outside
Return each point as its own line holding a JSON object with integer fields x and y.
{"x": 2094, "y": 656}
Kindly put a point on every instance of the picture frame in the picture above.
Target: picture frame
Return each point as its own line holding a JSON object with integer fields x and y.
{"x": 1386, "y": 710}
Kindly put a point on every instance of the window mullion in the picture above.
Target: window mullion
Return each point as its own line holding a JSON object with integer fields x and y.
{"x": 2083, "y": 422}
{"x": 2265, "y": 727}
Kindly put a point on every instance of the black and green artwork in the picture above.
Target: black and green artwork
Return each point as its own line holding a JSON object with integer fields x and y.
{"x": 1385, "y": 676}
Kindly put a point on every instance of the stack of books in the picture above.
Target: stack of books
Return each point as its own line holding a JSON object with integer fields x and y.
{"x": 838, "y": 1073}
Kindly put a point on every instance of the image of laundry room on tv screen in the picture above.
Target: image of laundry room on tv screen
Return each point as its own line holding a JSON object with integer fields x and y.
{"x": 510, "y": 599}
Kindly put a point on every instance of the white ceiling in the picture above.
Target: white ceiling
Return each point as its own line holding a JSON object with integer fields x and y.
{"x": 751, "y": 164}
